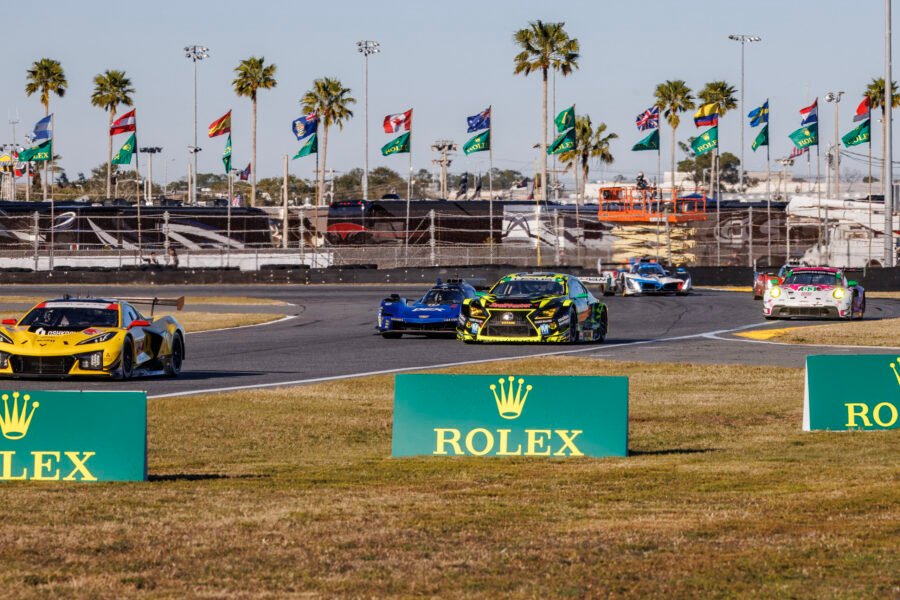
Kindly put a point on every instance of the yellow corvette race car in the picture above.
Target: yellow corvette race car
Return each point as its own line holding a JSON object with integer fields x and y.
{"x": 92, "y": 337}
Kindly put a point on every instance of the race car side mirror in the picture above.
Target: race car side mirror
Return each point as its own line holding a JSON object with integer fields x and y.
{"x": 139, "y": 323}
{"x": 9, "y": 321}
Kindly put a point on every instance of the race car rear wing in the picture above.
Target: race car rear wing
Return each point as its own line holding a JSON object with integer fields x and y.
{"x": 178, "y": 303}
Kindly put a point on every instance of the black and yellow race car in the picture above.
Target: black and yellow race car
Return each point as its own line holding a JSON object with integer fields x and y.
{"x": 534, "y": 307}
{"x": 92, "y": 337}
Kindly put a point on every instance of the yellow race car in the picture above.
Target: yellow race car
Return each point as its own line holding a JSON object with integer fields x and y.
{"x": 92, "y": 337}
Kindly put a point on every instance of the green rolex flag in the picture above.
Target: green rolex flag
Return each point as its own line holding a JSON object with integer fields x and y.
{"x": 563, "y": 143}
{"x": 398, "y": 145}
{"x": 706, "y": 141}
{"x": 226, "y": 156}
{"x": 806, "y": 136}
{"x": 479, "y": 143}
{"x": 310, "y": 147}
{"x": 565, "y": 119}
{"x": 762, "y": 139}
{"x": 39, "y": 153}
{"x": 651, "y": 142}
{"x": 123, "y": 156}
{"x": 860, "y": 135}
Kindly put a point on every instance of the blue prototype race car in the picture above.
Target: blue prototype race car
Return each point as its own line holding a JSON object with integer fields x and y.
{"x": 435, "y": 313}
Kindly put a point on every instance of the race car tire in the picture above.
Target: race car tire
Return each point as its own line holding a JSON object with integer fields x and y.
{"x": 604, "y": 327}
{"x": 573, "y": 327}
{"x": 126, "y": 359}
{"x": 176, "y": 359}
{"x": 391, "y": 335}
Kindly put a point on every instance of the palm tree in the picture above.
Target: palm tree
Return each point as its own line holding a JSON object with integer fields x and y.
{"x": 47, "y": 77}
{"x": 673, "y": 97}
{"x": 875, "y": 92}
{"x": 545, "y": 46}
{"x": 253, "y": 75}
{"x": 111, "y": 88}
{"x": 590, "y": 144}
{"x": 331, "y": 101}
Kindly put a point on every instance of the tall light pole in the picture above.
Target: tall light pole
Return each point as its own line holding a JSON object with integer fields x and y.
{"x": 743, "y": 38}
{"x": 151, "y": 150}
{"x": 367, "y": 48}
{"x": 195, "y": 54}
{"x": 889, "y": 252}
{"x": 836, "y": 98}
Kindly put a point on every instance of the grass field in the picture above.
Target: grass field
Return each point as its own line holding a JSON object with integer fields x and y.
{"x": 291, "y": 493}
{"x": 194, "y": 322}
{"x": 883, "y": 332}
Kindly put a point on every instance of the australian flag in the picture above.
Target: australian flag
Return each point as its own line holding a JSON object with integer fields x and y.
{"x": 480, "y": 121}
{"x": 42, "y": 130}
{"x": 649, "y": 119}
{"x": 305, "y": 125}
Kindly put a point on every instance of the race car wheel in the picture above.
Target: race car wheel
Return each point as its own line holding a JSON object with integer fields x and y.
{"x": 391, "y": 335}
{"x": 604, "y": 326}
{"x": 573, "y": 327}
{"x": 173, "y": 365}
{"x": 126, "y": 370}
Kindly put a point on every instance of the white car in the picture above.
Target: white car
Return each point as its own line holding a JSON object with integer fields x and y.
{"x": 815, "y": 292}
{"x": 646, "y": 277}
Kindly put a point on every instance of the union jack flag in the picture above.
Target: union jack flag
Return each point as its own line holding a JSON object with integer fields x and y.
{"x": 649, "y": 119}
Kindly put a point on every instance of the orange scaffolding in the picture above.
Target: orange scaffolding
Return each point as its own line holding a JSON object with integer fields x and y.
{"x": 633, "y": 205}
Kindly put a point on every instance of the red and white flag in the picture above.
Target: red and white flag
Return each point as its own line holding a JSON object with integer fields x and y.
{"x": 124, "y": 124}
{"x": 399, "y": 122}
{"x": 864, "y": 110}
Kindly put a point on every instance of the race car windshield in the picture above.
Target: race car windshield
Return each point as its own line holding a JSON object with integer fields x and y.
{"x": 528, "y": 287}
{"x": 74, "y": 319}
{"x": 442, "y": 297}
{"x": 652, "y": 269}
{"x": 811, "y": 278}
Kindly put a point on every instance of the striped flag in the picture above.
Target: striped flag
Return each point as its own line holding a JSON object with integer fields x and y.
{"x": 220, "y": 126}
{"x": 810, "y": 114}
{"x": 43, "y": 129}
{"x": 797, "y": 152}
{"x": 124, "y": 124}
{"x": 864, "y": 110}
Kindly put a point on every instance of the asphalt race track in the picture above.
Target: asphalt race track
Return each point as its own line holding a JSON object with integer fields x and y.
{"x": 331, "y": 334}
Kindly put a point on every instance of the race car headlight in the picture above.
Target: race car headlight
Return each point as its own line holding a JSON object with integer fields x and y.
{"x": 838, "y": 293}
{"x": 775, "y": 292}
{"x": 633, "y": 283}
{"x": 92, "y": 361}
{"x": 476, "y": 311}
{"x": 547, "y": 313}
{"x": 5, "y": 339}
{"x": 4, "y": 360}
{"x": 103, "y": 337}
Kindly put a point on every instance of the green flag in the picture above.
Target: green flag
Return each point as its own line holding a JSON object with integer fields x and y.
{"x": 398, "y": 145}
{"x": 806, "y": 136}
{"x": 310, "y": 147}
{"x": 762, "y": 139}
{"x": 860, "y": 135}
{"x": 706, "y": 141}
{"x": 565, "y": 119}
{"x": 563, "y": 143}
{"x": 479, "y": 143}
{"x": 226, "y": 156}
{"x": 651, "y": 142}
{"x": 123, "y": 156}
{"x": 39, "y": 153}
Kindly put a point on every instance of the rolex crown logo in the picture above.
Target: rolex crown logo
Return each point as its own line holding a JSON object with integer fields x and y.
{"x": 14, "y": 423}
{"x": 894, "y": 369}
{"x": 510, "y": 401}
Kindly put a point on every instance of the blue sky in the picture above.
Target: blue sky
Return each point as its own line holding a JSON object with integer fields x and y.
{"x": 447, "y": 60}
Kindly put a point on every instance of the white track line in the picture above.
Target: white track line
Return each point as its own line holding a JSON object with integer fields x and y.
{"x": 281, "y": 320}
{"x": 714, "y": 336}
{"x": 453, "y": 364}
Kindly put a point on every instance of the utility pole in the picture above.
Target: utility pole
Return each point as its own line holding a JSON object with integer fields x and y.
{"x": 444, "y": 147}
{"x": 195, "y": 54}
{"x": 743, "y": 38}
{"x": 367, "y": 48}
{"x": 151, "y": 150}
{"x": 889, "y": 252}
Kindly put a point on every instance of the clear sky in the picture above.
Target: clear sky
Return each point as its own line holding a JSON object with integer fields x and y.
{"x": 445, "y": 59}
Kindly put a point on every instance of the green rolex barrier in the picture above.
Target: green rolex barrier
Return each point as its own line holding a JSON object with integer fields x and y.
{"x": 858, "y": 392}
{"x": 73, "y": 436}
{"x": 510, "y": 415}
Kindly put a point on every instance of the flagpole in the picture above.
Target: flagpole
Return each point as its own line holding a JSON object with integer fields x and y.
{"x": 137, "y": 192}
{"x": 818, "y": 183}
{"x": 491, "y": 180}
{"x": 870, "y": 192}
{"x": 408, "y": 192}
{"x": 317, "y": 168}
{"x": 718, "y": 202}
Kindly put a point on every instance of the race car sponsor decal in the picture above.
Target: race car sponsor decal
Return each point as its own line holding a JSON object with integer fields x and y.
{"x": 94, "y": 305}
{"x": 509, "y": 305}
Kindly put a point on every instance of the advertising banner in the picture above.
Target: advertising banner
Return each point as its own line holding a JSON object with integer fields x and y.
{"x": 73, "y": 436}
{"x": 857, "y": 392}
{"x": 510, "y": 415}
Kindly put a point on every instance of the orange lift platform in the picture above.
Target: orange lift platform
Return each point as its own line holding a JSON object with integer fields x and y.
{"x": 634, "y": 205}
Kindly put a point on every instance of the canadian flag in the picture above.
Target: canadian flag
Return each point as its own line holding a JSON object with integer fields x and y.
{"x": 399, "y": 122}
{"x": 124, "y": 124}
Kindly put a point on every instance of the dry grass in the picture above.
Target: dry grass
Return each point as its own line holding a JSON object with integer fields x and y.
{"x": 292, "y": 493}
{"x": 195, "y": 322}
{"x": 884, "y": 332}
{"x": 890, "y": 295}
